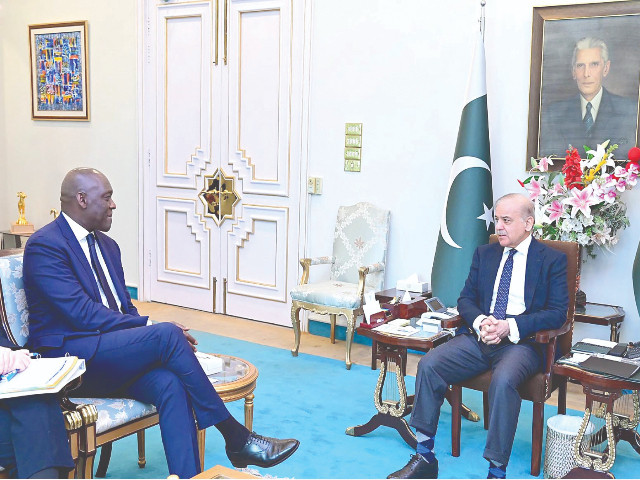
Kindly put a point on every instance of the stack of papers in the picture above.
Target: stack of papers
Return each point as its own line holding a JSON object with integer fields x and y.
{"x": 43, "y": 375}
{"x": 398, "y": 327}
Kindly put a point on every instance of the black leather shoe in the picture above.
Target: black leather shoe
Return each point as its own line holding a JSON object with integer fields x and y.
{"x": 263, "y": 451}
{"x": 417, "y": 467}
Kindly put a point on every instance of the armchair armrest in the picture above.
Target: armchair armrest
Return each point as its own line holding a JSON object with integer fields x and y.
{"x": 545, "y": 336}
{"x": 307, "y": 262}
{"x": 453, "y": 322}
{"x": 363, "y": 272}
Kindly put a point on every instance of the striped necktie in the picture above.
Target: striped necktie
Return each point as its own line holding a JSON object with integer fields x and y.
{"x": 502, "y": 297}
{"x": 588, "y": 119}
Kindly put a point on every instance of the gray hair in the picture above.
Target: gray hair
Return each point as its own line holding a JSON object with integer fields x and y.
{"x": 526, "y": 206}
{"x": 590, "y": 42}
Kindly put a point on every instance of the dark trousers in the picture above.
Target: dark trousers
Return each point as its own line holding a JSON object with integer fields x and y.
{"x": 155, "y": 364}
{"x": 464, "y": 357}
{"x": 33, "y": 436}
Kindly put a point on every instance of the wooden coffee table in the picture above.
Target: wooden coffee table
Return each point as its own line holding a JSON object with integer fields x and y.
{"x": 236, "y": 380}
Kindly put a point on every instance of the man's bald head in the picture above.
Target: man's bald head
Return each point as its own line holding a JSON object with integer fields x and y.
{"x": 85, "y": 196}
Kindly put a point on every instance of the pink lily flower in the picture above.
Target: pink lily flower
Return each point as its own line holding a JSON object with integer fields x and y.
{"x": 581, "y": 200}
{"x": 535, "y": 189}
{"x": 544, "y": 163}
{"x": 559, "y": 189}
{"x": 621, "y": 185}
{"x": 555, "y": 210}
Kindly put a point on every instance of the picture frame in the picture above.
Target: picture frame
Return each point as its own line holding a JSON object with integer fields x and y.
{"x": 58, "y": 55}
{"x": 557, "y": 113}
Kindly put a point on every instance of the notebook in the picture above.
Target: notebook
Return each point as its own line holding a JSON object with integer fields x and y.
{"x": 609, "y": 367}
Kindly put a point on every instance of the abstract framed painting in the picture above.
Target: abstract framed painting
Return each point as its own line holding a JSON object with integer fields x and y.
{"x": 585, "y": 79}
{"x": 59, "y": 71}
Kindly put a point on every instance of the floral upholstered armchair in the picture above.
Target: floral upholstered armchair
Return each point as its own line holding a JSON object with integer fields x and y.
{"x": 91, "y": 422}
{"x": 357, "y": 267}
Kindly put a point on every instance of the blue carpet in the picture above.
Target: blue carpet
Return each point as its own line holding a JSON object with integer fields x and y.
{"x": 315, "y": 399}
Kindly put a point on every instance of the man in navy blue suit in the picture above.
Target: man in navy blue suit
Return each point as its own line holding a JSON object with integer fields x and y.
{"x": 33, "y": 439}
{"x": 594, "y": 114}
{"x": 78, "y": 303}
{"x": 515, "y": 288}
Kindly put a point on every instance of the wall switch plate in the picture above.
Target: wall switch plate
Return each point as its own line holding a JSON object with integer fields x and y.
{"x": 318, "y": 187}
{"x": 352, "y": 165}
{"x": 353, "y": 141}
{"x": 352, "y": 153}
{"x": 353, "y": 129}
{"x": 311, "y": 185}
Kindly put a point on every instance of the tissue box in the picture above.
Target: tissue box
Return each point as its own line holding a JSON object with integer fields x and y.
{"x": 419, "y": 287}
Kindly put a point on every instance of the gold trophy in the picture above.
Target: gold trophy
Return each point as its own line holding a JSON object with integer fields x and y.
{"x": 22, "y": 227}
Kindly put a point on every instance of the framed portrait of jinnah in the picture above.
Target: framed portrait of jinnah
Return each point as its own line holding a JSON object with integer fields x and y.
{"x": 585, "y": 79}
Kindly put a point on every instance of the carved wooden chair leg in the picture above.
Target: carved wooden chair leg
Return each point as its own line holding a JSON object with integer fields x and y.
{"x": 562, "y": 396}
{"x": 295, "y": 321}
{"x": 73, "y": 424}
{"x": 351, "y": 323}
{"x": 485, "y": 409}
{"x": 89, "y": 415}
{"x": 105, "y": 457}
{"x": 142, "y": 461}
{"x": 536, "y": 437}
{"x": 333, "y": 317}
{"x": 202, "y": 436}
{"x": 456, "y": 420}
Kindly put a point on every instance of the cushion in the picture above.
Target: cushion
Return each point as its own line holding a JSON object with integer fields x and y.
{"x": 330, "y": 293}
{"x": 14, "y": 297}
{"x": 114, "y": 412}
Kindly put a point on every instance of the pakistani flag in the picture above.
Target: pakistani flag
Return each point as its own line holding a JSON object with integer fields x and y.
{"x": 636, "y": 278}
{"x": 467, "y": 216}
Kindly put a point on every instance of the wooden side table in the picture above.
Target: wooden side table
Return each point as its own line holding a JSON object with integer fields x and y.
{"x": 392, "y": 352}
{"x": 602, "y": 314}
{"x": 604, "y": 391}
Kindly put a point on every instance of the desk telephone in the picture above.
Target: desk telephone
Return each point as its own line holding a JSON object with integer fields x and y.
{"x": 630, "y": 350}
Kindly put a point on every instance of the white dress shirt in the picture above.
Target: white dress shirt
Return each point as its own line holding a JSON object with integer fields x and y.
{"x": 81, "y": 235}
{"x": 595, "y": 105}
{"x": 515, "y": 303}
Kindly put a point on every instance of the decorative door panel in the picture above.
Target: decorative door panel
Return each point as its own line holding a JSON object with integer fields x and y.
{"x": 184, "y": 244}
{"x": 222, "y": 138}
{"x": 257, "y": 254}
{"x": 184, "y": 56}
{"x": 259, "y": 94}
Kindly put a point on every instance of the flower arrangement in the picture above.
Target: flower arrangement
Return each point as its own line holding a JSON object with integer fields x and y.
{"x": 582, "y": 203}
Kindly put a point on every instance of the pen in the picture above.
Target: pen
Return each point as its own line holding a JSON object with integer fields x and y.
{"x": 8, "y": 376}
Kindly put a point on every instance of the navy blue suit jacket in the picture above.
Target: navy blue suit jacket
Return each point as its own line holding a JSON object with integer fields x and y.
{"x": 32, "y": 432}
{"x": 545, "y": 289}
{"x": 561, "y": 125}
{"x": 63, "y": 295}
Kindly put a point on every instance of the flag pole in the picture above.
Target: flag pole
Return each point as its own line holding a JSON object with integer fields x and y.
{"x": 481, "y": 19}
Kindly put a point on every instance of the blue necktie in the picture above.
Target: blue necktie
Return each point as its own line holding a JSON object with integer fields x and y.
{"x": 502, "y": 297}
{"x": 588, "y": 119}
{"x": 95, "y": 263}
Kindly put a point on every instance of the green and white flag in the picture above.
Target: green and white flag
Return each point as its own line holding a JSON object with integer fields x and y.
{"x": 635, "y": 275}
{"x": 467, "y": 217}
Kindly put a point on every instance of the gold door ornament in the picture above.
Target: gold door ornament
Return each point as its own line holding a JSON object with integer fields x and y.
{"x": 219, "y": 196}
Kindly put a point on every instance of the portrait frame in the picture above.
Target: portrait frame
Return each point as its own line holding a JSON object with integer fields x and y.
{"x": 58, "y": 54}
{"x": 555, "y": 31}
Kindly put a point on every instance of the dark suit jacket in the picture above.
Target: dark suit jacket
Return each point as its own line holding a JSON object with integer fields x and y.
{"x": 561, "y": 125}
{"x": 32, "y": 433}
{"x": 63, "y": 296}
{"x": 546, "y": 294}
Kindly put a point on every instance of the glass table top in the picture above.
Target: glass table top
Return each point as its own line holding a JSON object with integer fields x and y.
{"x": 232, "y": 369}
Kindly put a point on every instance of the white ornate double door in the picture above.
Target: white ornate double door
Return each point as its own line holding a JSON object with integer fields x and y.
{"x": 222, "y": 136}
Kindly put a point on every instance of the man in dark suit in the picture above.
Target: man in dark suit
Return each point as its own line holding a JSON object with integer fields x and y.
{"x": 33, "y": 439}
{"x": 515, "y": 288}
{"x": 594, "y": 114}
{"x": 78, "y": 303}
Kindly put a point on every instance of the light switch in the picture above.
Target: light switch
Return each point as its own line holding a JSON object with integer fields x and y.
{"x": 318, "y": 189}
{"x": 311, "y": 185}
